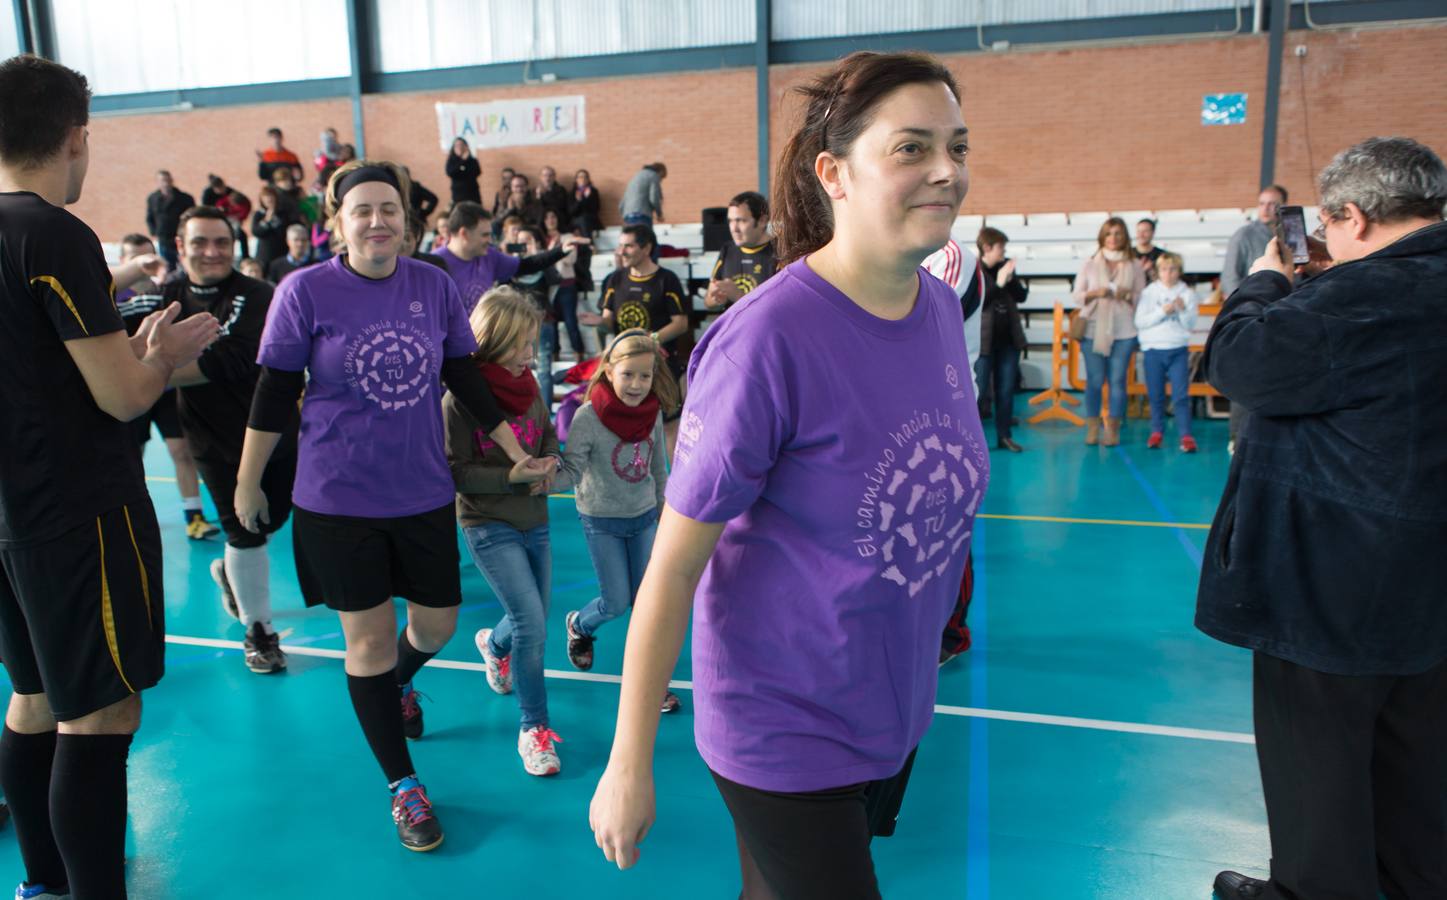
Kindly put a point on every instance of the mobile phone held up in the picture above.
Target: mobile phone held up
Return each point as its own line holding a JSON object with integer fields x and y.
{"x": 520, "y": 249}
{"x": 1291, "y": 231}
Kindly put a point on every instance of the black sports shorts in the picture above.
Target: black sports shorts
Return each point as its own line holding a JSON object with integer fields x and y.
{"x": 82, "y": 617}
{"x": 351, "y": 564}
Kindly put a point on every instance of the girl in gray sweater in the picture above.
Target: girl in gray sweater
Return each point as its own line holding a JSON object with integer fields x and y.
{"x": 615, "y": 457}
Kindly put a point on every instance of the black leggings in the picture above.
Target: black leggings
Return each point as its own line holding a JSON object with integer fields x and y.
{"x": 816, "y": 844}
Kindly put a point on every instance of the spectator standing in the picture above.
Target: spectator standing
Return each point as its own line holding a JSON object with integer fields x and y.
{"x": 1145, "y": 248}
{"x": 642, "y": 202}
{"x": 163, "y": 213}
{"x": 463, "y": 171}
{"x": 269, "y": 224}
{"x": 584, "y": 211}
{"x": 1002, "y": 332}
{"x": 1248, "y": 244}
{"x": 1106, "y": 290}
{"x": 552, "y": 195}
{"x": 276, "y": 156}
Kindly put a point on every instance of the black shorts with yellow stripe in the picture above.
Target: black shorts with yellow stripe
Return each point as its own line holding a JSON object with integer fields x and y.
{"x": 82, "y": 617}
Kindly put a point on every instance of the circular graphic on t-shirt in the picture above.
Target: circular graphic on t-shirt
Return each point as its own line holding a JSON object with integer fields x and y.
{"x": 632, "y": 314}
{"x": 745, "y": 283}
{"x": 631, "y": 462}
{"x": 390, "y": 363}
{"x": 913, "y": 511}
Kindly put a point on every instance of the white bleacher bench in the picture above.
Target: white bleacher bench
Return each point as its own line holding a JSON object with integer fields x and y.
{"x": 1225, "y": 214}
{"x": 1132, "y": 216}
{"x": 1005, "y": 221}
{"x": 1042, "y": 219}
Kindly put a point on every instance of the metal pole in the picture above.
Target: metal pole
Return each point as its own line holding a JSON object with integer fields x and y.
{"x": 762, "y": 31}
{"x": 358, "y": 25}
{"x": 22, "y": 27}
{"x": 1280, "y": 9}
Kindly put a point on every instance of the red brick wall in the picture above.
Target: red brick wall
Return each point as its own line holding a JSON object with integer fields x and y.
{"x": 1052, "y": 129}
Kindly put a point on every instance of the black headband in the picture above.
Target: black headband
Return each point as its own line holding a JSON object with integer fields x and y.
{"x": 363, "y": 175}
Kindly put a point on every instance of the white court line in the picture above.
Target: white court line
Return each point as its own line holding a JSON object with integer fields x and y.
{"x": 1195, "y": 734}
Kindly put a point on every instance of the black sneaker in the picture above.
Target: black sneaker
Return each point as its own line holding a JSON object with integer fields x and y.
{"x": 411, "y": 713}
{"x": 4, "y": 813}
{"x": 263, "y": 651}
{"x": 228, "y": 596}
{"x": 671, "y": 703}
{"x": 417, "y": 828}
{"x": 580, "y": 645}
{"x": 1235, "y": 886}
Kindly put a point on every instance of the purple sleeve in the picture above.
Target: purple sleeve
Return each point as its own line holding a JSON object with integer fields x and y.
{"x": 460, "y": 340}
{"x": 728, "y": 440}
{"x": 504, "y": 266}
{"x": 286, "y": 342}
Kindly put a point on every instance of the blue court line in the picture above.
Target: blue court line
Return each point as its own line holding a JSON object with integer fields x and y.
{"x": 1160, "y": 507}
{"x": 977, "y": 860}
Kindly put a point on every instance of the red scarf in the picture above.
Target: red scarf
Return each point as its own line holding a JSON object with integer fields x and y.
{"x": 514, "y": 393}
{"x": 631, "y": 423}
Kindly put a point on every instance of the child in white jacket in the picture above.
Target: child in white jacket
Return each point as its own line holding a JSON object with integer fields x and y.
{"x": 1164, "y": 316}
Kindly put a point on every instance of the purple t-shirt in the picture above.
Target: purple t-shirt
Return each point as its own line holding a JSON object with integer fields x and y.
{"x": 475, "y": 276}
{"x": 845, "y": 453}
{"x": 371, "y": 424}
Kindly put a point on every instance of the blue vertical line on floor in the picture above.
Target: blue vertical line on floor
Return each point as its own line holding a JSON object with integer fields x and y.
{"x": 1160, "y": 507}
{"x": 977, "y": 864}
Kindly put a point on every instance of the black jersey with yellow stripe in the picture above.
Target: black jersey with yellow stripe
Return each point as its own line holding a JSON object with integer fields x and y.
{"x": 746, "y": 267}
{"x": 643, "y": 301}
{"x": 62, "y": 460}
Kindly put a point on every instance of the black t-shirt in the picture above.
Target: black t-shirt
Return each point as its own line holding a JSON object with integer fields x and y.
{"x": 63, "y": 461}
{"x": 746, "y": 267}
{"x": 214, "y": 413}
{"x": 649, "y": 303}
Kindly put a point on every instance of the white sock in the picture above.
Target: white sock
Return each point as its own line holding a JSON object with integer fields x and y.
{"x": 249, "y": 572}
{"x": 191, "y": 504}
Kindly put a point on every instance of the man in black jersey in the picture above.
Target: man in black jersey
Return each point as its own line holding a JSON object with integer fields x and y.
{"x": 749, "y": 261}
{"x": 82, "y": 621}
{"x": 642, "y": 294}
{"x": 214, "y": 402}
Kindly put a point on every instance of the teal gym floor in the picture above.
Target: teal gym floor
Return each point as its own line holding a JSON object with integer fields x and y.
{"x": 1092, "y": 744}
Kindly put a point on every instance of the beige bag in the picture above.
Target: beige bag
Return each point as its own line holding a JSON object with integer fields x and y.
{"x": 1077, "y": 327}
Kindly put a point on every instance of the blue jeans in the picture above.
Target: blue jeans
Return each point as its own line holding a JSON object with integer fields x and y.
{"x": 1002, "y": 370}
{"x": 1098, "y": 368}
{"x": 620, "y": 549}
{"x": 1159, "y": 365}
{"x": 518, "y": 566}
{"x": 565, "y": 310}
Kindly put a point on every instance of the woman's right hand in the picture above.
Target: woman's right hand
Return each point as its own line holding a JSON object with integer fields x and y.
{"x": 621, "y": 814}
{"x": 529, "y": 470}
{"x": 251, "y": 507}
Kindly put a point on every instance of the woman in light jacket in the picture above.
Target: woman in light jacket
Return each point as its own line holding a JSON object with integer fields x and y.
{"x": 1106, "y": 290}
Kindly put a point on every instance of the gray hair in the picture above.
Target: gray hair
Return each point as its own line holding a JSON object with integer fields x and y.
{"x": 1390, "y": 179}
{"x": 297, "y": 231}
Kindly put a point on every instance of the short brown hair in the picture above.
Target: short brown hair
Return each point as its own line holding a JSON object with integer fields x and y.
{"x": 990, "y": 237}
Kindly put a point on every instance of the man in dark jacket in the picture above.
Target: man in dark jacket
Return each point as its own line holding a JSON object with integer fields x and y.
{"x": 1328, "y": 555}
{"x": 163, "y": 211}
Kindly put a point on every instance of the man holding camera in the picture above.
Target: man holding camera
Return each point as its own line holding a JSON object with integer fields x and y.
{"x": 1326, "y": 556}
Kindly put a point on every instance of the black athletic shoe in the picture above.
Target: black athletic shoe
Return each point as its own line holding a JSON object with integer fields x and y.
{"x": 4, "y": 813}
{"x": 263, "y": 651}
{"x": 1235, "y": 886}
{"x": 417, "y": 827}
{"x": 671, "y": 703}
{"x": 411, "y": 713}
{"x": 580, "y": 645}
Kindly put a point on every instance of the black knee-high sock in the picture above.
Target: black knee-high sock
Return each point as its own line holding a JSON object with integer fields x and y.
{"x": 25, "y": 766}
{"x": 88, "y": 812}
{"x": 374, "y": 697}
{"x": 410, "y": 660}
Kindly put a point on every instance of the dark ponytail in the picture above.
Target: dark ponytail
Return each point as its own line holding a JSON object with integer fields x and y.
{"x": 840, "y": 106}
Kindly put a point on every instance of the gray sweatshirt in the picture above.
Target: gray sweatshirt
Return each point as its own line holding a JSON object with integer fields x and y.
{"x": 643, "y": 196}
{"x": 613, "y": 478}
{"x": 1248, "y": 243}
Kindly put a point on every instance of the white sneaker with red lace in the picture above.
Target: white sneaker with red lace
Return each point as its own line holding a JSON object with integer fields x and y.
{"x": 499, "y": 668}
{"x": 536, "y": 747}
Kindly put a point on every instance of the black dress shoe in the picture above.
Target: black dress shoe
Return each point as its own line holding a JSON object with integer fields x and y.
{"x": 1235, "y": 886}
{"x": 1007, "y": 444}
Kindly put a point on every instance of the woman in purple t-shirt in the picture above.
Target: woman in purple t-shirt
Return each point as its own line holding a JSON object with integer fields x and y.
{"x": 819, "y": 512}
{"x": 378, "y": 335}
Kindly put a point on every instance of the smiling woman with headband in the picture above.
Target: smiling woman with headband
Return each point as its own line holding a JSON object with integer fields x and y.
{"x": 378, "y": 335}
{"x": 819, "y": 511}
